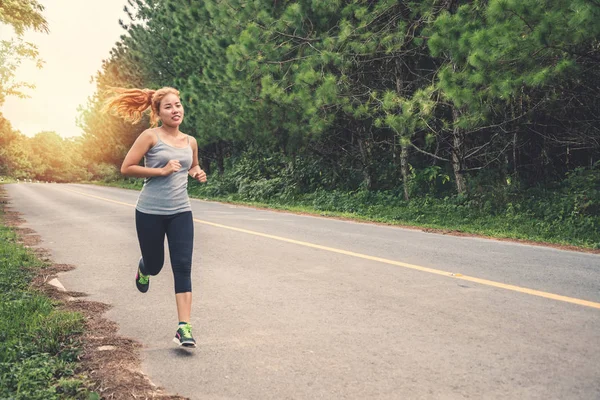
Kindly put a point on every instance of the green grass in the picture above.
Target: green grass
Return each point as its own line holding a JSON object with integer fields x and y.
{"x": 542, "y": 217}
{"x": 38, "y": 343}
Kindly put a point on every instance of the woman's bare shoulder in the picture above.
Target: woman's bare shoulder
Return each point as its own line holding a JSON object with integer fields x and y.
{"x": 149, "y": 136}
{"x": 151, "y": 132}
{"x": 192, "y": 141}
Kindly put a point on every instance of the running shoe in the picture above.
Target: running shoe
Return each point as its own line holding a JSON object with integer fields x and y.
{"x": 184, "y": 337}
{"x": 142, "y": 281}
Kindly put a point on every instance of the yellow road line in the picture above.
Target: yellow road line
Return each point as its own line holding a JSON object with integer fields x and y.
{"x": 486, "y": 282}
{"x": 98, "y": 197}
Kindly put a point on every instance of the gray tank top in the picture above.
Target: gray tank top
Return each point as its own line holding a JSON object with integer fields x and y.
{"x": 166, "y": 195}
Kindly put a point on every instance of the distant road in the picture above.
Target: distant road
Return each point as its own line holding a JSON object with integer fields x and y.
{"x": 298, "y": 307}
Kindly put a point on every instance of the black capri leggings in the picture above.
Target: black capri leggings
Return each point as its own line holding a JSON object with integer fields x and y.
{"x": 179, "y": 228}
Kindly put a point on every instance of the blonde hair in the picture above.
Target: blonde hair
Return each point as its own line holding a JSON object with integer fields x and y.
{"x": 130, "y": 104}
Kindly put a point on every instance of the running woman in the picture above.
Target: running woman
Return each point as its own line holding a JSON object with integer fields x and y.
{"x": 163, "y": 206}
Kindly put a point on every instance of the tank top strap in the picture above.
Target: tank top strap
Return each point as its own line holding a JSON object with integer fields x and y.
{"x": 188, "y": 137}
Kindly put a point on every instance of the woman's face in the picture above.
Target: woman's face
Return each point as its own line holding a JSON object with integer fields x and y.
{"x": 171, "y": 110}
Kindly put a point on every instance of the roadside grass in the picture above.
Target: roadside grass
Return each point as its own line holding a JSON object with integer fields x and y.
{"x": 539, "y": 218}
{"x": 39, "y": 344}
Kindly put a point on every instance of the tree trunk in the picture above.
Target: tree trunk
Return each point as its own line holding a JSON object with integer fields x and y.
{"x": 404, "y": 170}
{"x": 365, "y": 156}
{"x": 403, "y": 147}
{"x": 515, "y": 139}
{"x": 514, "y": 151}
{"x": 458, "y": 140}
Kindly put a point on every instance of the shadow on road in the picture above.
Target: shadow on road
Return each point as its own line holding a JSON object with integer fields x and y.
{"x": 182, "y": 352}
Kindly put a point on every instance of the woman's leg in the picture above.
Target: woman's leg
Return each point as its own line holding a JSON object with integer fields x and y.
{"x": 151, "y": 236}
{"x": 180, "y": 234}
{"x": 184, "y": 306}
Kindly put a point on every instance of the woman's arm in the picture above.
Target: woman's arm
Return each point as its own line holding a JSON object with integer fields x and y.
{"x": 142, "y": 144}
{"x": 195, "y": 171}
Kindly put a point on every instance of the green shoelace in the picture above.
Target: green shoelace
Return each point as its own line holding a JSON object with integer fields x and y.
{"x": 186, "y": 330}
{"x": 143, "y": 279}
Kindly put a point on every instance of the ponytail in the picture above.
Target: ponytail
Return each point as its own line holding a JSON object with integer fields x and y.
{"x": 130, "y": 104}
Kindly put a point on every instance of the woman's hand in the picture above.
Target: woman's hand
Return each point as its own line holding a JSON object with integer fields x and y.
{"x": 196, "y": 172}
{"x": 172, "y": 166}
{"x": 199, "y": 175}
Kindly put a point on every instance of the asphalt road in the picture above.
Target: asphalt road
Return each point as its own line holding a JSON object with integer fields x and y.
{"x": 298, "y": 307}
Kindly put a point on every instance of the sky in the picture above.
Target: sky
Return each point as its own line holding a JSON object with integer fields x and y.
{"x": 82, "y": 33}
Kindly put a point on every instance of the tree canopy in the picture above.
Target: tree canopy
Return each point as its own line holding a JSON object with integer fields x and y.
{"x": 433, "y": 97}
{"x": 374, "y": 93}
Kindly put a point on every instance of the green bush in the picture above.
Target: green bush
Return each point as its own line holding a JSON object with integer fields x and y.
{"x": 104, "y": 172}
